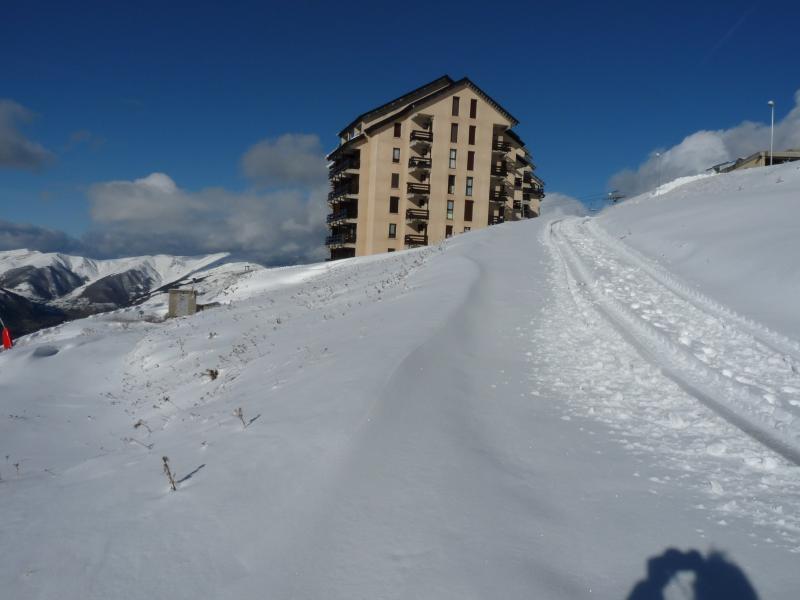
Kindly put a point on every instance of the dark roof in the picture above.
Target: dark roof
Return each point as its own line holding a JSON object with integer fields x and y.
{"x": 438, "y": 94}
{"x": 423, "y": 90}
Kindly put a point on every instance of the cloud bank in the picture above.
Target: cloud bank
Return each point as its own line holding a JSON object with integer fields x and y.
{"x": 17, "y": 151}
{"x": 280, "y": 221}
{"x": 703, "y": 149}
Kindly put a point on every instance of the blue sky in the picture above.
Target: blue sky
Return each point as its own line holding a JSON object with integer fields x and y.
{"x": 118, "y": 91}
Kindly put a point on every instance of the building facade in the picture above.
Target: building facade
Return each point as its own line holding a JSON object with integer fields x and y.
{"x": 438, "y": 161}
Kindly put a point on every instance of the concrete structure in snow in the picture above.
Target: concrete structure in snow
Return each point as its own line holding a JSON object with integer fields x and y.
{"x": 437, "y": 161}
{"x": 759, "y": 159}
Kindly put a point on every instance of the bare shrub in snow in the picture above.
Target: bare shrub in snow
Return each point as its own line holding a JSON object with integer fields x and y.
{"x": 168, "y": 473}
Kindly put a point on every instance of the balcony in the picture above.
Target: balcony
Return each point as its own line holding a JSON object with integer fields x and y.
{"x": 496, "y": 219}
{"x": 417, "y": 214}
{"x": 340, "y": 169}
{"x": 418, "y": 188}
{"x": 420, "y": 135}
{"x": 498, "y": 195}
{"x": 340, "y": 195}
{"x": 500, "y": 146}
{"x": 413, "y": 239}
{"x": 340, "y": 239}
{"x": 419, "y": 162}
{"x": 342, "y": 215}
{"x": 500, "y": 170}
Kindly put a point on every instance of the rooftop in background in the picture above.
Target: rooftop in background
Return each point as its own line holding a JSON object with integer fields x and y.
{"x": 759, "y": 159}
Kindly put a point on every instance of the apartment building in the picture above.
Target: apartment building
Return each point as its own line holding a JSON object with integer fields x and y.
{"x": 438, "y": 161}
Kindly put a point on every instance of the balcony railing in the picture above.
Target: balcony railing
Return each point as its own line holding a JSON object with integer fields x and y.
{"x": 420, "y": 135}
{"x": 500, "y": 170}
{"x": 498, "y": 195}
{"x": 340, "y": 239}
{"x": 340, "y": 195}
{"x": 342, "y": 215}
{"x": 500, "y": 146}
{"x": 496, "y": 219}
{"x": 345, "y": 165}
{"x": 418, "y": 188}
{"x": 412, "y": 239}
{"x": 418, "y": 214}
{"x": 419, "y": 162}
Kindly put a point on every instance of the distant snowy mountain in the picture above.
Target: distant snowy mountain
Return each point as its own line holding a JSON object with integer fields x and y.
{"x": 58, "y": 285}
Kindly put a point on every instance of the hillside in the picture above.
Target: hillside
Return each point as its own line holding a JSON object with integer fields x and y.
{"x": 532, "y": 410}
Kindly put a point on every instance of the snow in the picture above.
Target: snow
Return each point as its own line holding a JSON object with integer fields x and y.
{"x": 161, "y": 268}
{"x": 528, "y": 411}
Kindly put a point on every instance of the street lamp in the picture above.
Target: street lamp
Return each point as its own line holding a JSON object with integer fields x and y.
{"x": 771, "y": 105}
{"x": 658, "y": 167}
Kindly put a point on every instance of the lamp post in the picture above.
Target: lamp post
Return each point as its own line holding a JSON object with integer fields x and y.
{"x": 658, "y": 167}
{"x": 771, "y": 104}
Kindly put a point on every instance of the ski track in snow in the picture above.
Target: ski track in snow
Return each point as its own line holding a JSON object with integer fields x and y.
{"x": 751, "y": 383}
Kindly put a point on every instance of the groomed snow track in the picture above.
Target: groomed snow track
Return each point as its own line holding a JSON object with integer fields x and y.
{"x": 744, "y": 372}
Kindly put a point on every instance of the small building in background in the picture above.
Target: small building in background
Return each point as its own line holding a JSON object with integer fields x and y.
{"x": 182, "y": 303}
{"x": 759, "y": 159}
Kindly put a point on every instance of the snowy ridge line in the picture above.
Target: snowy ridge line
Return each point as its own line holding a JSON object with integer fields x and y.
{"x": 765, "y": 335}
{"x": 733, "y": 401}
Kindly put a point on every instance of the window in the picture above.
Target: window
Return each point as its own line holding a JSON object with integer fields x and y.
{"x": 397, "y": 129}
{"x": 452, "y": 158}
{"x": 390, "y": 249}
{"x": 454, "y": 133}
{"x": 455, "y": 106}
{"x": 396, "y": 155}
{"x": 467, "y": 212}
{"x": 470, "y": 160}
{"x": 451, "y": 184}
{"x": 394, "y": 204}
{"x": 392, "y": 230}
{"x": 448, "y": 231}
{"x": 395, "y": 180}
{"x": 466, "y": 229}
{"x": 468, "y": 191}
{"x": 472, "y": 129}
{"x": 473, "y": 108}
{"x": 450, "y": 205}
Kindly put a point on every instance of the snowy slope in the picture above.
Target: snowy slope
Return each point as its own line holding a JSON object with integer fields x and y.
{"x": 491, "y": 418}
{"x": 735, "y": 235}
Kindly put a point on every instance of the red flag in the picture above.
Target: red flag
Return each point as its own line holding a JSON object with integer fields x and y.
{"x": 7, "y": 343}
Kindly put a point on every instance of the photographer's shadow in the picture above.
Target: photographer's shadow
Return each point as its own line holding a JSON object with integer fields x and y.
{"x": 714, "y": 577}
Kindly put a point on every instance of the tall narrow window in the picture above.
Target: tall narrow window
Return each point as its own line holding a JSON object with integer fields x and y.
{"x": 468, "y": 191}
{"x": 450, "y": 205}
{"x": 467, "y": 211}
{"x": 392, "y": 230}
{"x": 454, "y": 133}
{"x": 395, "y": 180}
{"x": 397, "y": 129}
{"x": 455, "y": 106}
{"x": 394, "y": 204}
{"x": 448, "y": 231}
{"x": 470, "y": 160}
{"x": 396, "y": 155}
{"x": 473, "y": 108}
{"x": 451, "y": 184}
{"x": 472, "y": 134}
{"x": 452, "y": 158}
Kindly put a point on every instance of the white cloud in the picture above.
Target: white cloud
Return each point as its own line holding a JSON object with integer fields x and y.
{"x": 16, "y": 151}
{"x": 291, "y": 159}
{"x": 154, "y": 215}
{"x": 703, "y": 149}
{"x": 560, "y": 204}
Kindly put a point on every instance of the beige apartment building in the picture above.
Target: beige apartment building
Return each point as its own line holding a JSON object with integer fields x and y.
{"x": 438, "y": 161}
